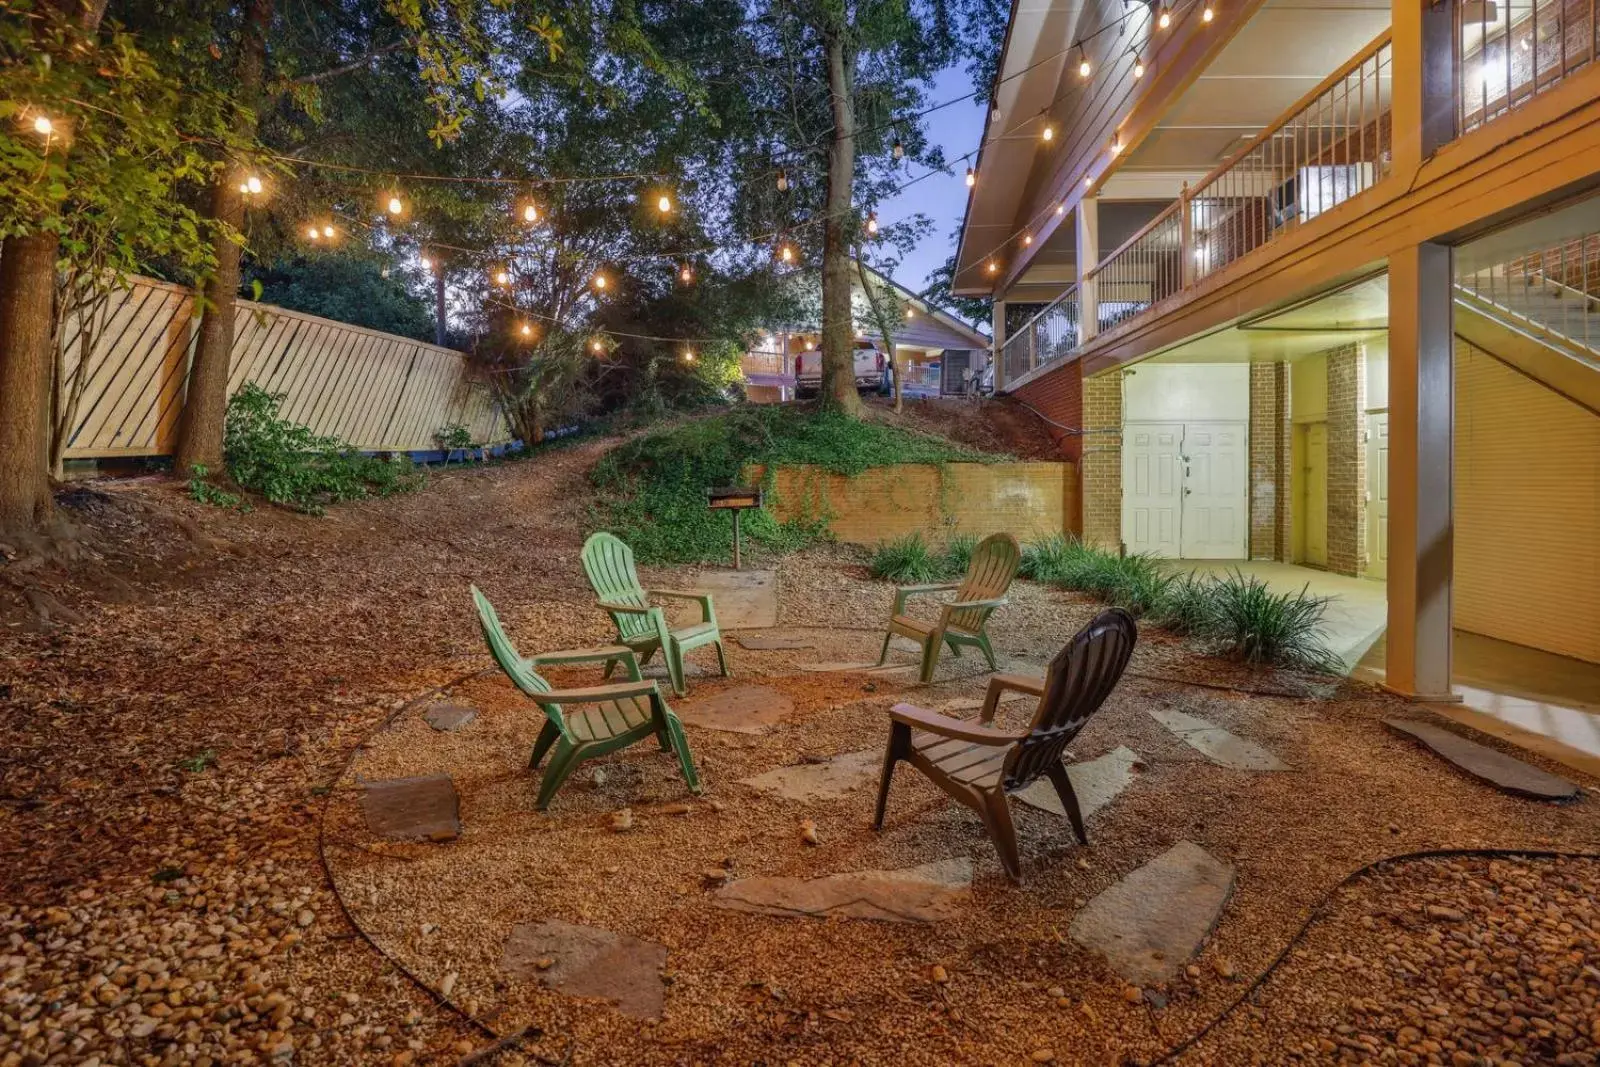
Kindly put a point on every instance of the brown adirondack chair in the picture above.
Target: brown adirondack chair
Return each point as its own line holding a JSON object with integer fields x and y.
{"x": 608, "y": 562}
{"x": 962, "y": 621}
{"x": 610, "y": 717}
{"x": 979, "y": 765}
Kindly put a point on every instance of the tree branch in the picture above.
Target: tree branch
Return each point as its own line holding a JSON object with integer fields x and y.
{"x": 346, "y": 68}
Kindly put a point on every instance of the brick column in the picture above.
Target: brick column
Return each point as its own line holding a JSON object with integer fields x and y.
{"x": 1346, "y": 459}
{"x": 1270, "y": 511}
{"x": 1101, "y": 465}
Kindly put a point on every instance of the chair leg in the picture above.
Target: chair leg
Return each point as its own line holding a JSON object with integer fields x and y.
{"x": 899, "y": 745}
{"x": 673, "y": 655}
{"x": 722, "y": 657}
{"x": 883, "y": 657}
{"x": 987, "y": 649}
{"x": 997, "y": 818}
{"x": 561, "y": 765}
{"x": 685, "y": 759}
{"x": 1069, "y": 799}
{"x": 611, "y": 666}
{"x": 930, "y": 657}
{"x": 547, "y": 737}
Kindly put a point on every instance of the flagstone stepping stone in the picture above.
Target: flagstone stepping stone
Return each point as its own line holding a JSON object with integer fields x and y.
{"x": 426, "y": 807}
{"x": 745, "y": 600}
{"x": 869, "y": 667}
{"x": 820, "y": 781}
{"x": 1095, "y": 782}
{"x": 774, "y": 640}
{"x": 448, "y": 718}
{"x": 925, "y": 894}
{"x": 1150, "y": 923}
{"x": 1217, "y": 744}
{"x": 586, "y": 961}
{"x": 745, "y": 709}
{"x": 1498, "y": 769}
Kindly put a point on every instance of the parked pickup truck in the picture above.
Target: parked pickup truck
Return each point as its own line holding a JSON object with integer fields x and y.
{"x": 873, "y": 370}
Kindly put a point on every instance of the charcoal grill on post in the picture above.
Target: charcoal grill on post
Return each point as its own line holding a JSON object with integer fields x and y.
{"x": 734, "y": 498}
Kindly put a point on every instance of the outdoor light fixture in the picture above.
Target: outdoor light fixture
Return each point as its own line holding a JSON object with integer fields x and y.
{"x": 396, "y": 205}
{"x": 872, "y": 223}
{"x": 685, "y": 275}
{"x": 530, "y": 213}
{"x": 783, "y": 182}
{"x": 502, "y": 277}
{"x": 664, "y": 204}
{"x": 43, "y": 126}
{"x": 1164, "y": 19}
{"x": 972, "y": 177}
{"x": 1207, "y": 15}
{"x": 527, "y": 331}
{"x": 600, "y": 281}
{"x": 1048, "y": 133}
{"x": 327, "y": 231}
{"x": 910, "y": 314}
{"x": 1084, "y": 69}
{"x": 1138, "y": 67}
{"x": 899, "y": 149}
{"x": 1027, "y": 239}
{"x": 597, "y": 346}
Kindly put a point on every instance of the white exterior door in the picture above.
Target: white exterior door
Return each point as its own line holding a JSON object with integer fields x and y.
{"x": 1378, "y": 494}
{"x": 1215, "y": 515}
{"x": 1184, "y": 489}
{"x": 1152, "y": 486}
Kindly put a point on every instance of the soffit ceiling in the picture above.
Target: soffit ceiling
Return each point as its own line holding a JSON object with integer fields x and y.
{"x": 1358, "y": 312}
{"x": 1272, "y": 62}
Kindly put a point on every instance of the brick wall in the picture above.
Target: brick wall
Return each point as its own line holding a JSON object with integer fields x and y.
{"x": 1346, "y": 459}
{"x": 1101, "y": 464}
{"x": 1058, "y": 396}
{"x": 1270, "y": 508}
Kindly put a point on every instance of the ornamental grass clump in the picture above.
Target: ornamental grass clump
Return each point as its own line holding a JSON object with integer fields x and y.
{"x": 1253, "y": 624}
{"x": 905, "y": 561}
{"x": 1049, "y": 559}
{"x": 958, "y": 554}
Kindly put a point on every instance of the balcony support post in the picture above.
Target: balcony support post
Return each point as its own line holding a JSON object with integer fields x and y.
{"x": 1424, "y": 80}
{"x": 997, "y": 333}
{"x": 1088, "y": 256}
{"x": 1421, "y": 462}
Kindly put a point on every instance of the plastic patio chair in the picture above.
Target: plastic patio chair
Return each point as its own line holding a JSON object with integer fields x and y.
{"x": 993, "y": 564}
{"x": 641, "y": 626}
{"x": 980, "y": 765}
{"x": 611, "y": 717}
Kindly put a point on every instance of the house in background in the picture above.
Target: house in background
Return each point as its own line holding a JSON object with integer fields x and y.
{"x": 935, "y": 349}
{"x": 1315, "y": 286}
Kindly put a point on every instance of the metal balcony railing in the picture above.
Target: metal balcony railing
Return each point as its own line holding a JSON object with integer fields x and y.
{"x": 1554, "y": 289}
{"x": 1048, "y": 337}
{"x": 1147, "y": 268}
{"x": 1508, "y": 51}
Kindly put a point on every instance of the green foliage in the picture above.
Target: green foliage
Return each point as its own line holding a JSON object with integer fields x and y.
{"x": 345, "y": 288}
{"x": 653, "y": 487}
{"x": 906, "y": 561}
{"x": 452, "y": 439}
{"x": 1188, "y": 606}
{"x": 958, "y": 553}
{"x": 291, "y": 466}
{"x": 1048, "y": 559}
{"x": 203, "y": 492}
{"x": 1252, "y": 623}
{"x": 199, "y": 762}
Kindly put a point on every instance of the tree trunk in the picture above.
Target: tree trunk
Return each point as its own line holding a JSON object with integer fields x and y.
{"x": 27, "y": 293}
{"x": 205, "y": 400}
{"x": 876, "y": 301}
{"x": 838, "y": 334}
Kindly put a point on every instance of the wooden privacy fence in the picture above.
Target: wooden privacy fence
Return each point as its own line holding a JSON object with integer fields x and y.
{"x": 377, "y": 391}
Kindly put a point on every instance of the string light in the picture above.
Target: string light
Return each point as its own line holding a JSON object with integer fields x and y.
{"x": 899, "y": 149}
{"x": 502, "y": 277}
{"x": 395, "y": 205}
{"x": 972, "y": 177}
{"x": 993, "y": 267}
{"x": 1048, "y": 133}
{"x": 313, "y": 233}
{"x": 783, "y": 182}
{"x": 1027, "y": 239}
{"x": 1116, "y": 143}
{"x": 600, "y": 282}
{"x": 786, "y": 253}
{"x": 598, "y": 346}
{"x": 1207, "y": 15}
{"x": 688, "y": 355}
{"x": 910, "y": 314}
{"x": 1138, "y": 67}
{"x": 527, "y": 330}
{"x": 1084, "y": 69}
{"x": 530, "y": 212}
{"x": 1088, "y": 181}
{"x": 43, "y": 126}
{"x": 427, "y": 264}
{"x": 664, "y": 204}
{"x": 1164, "y": 19}
{"x": 685, "y": 274}
{"x": 1061, "y": 208}
{"x": 872, "y": 223}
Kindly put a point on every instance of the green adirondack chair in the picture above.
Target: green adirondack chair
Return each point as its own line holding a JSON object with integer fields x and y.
{"x": 613, "y": 716}
{"x": 962, "y": 621}
{"x": 643, "y": 627}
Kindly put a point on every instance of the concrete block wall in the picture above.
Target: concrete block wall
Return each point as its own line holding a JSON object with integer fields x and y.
{"x": 1101, "y": 464}
{"x": 1346, "y": 459}
{"x": 1271, "y": 511}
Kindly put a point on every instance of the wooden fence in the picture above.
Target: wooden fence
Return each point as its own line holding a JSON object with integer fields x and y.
{"x": 377, "y": 391}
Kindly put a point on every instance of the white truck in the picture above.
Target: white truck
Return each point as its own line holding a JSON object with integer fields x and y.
{"x": 873, "y": 370}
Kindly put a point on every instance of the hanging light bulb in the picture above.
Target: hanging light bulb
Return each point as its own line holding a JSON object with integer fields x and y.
{"x": 899, "y": 149}
{"x": 530, "y": 212}
{"x": 1164, "y": 19}
{"x": 600, "y": 281}
{"x": 910, "y": 314}
{"x": 993, "y": 267}
{"x": 396, "y": 206}
{"x": 1027, "y": 239}
{"x": 872, "y": 223}
{"x": 327, "y": 231}
{"x": 1061, "y": 208}
{"x": 1088, "y": 181}
{"x": 1138, "y": 67}
{"x": 860, "y": 334}
{"x": 1048, "y": 133}
{"x": 811, "y": 346}
{"x": 972, "y": 177}
{"x": 786, "y": 253}
{"x": 252, "y": 185}
{"x": 43, "y": 126}
{"x": 313, "y": 233}
{"x": 688, "y": 355}
{"x": 1116, "y": 143}
{"x": 427, "y": 264}
{"x": 783, "y": 182}
{"x": 1207, "y": 15}
{"x": 527, "y": 330}
{"x": 502, "y": 277}
{"x": 685, "y": 274}
{"x": 1084, "y": 69}
{"x": 597, "y": 346}
{"x": 664, "y": 203}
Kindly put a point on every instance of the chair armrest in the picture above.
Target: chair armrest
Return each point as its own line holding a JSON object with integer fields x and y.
{"x": 961, "y": 605}
{"x": 906, "y": 592}
{"x": 1021, "y": 683}
{"x": 603, "y": 654}
{"x": 955, "y": 729}
{"x": 596, "y": 694}
{"x": 707, "y": 612}
{"x": 626, "y": 609}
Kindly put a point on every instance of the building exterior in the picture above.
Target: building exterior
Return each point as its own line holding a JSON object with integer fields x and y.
{"x": 1316, "y": 283}
{"x": 934, "y": 349}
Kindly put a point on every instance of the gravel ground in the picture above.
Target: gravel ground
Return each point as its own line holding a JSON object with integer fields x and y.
{"x": 161, "y": 900}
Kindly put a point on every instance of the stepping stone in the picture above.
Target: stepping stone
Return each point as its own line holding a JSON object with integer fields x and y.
{"x": 448, "y": 718}
{"x": 869, "y": 667}
{"x": 1095, "y": 782}
{"x": 411, "y": 808}
{"x": 774, "y": 640}
{"x": 745, "y": 600}
{"x": 1498, "y": 769}
{"x": 746, "y": 709}
{"x": 586, "y": 961}
{"x": 1217, "y": 744}
{"x": 820, "y": 781}
{"x": 1149, "y": 924}
{"x": 925, "y": 894}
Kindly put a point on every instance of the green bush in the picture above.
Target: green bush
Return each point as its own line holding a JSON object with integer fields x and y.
{"x": 653, "y": 487}
{"x": 906, "y": 561}
{"x": 1252, "y": 623}
{"x": 203, "y": 492}
{"x": 1188, "y": 606}
{"x": 958, "y": 554}
{"x": 291, "y": 466}
{"x": 1050, "y": 559}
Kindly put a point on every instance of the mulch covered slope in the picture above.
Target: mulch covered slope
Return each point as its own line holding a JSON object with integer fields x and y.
{"x": 161, "y": 898}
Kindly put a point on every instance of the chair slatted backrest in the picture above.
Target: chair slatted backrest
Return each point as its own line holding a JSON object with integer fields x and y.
{"x": 1081, "y": 677}
{"x": 609, "y": 564}
{"x": 505, "y": 653}
{"x": 994, "y": 563}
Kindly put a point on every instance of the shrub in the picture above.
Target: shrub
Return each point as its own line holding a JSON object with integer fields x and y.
{"x": 203, "y": 492}
{"x": 1256, "y": 625}
{"x": 906, "y": 561}
{"x": 958, "y": 554}
{"x": 1140, "y": 586}
{"x": 1187, "y": 606}
{"x": 1049, "y": 559}
{"x": 290, "y": 465}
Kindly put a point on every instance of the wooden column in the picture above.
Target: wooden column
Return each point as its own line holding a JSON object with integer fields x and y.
{"x": 1088, "y": 220}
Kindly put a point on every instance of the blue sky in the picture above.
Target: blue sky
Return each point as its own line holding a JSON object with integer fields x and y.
{"x": 943, "y": 197}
